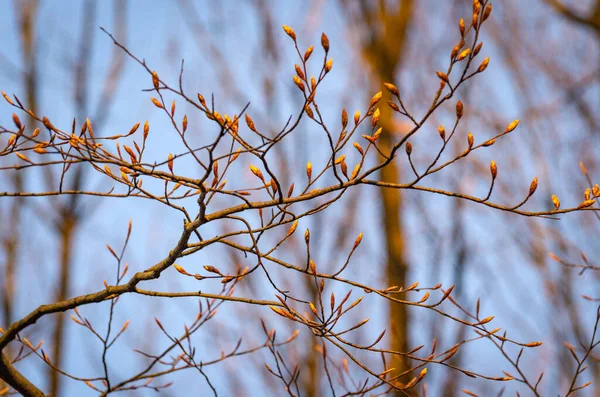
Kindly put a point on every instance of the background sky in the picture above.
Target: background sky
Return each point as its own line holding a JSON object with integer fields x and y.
{"x": 225, "y": 55}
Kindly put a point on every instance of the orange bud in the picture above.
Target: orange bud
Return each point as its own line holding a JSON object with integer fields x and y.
{"x": 408, "y": 148}
{"x": 170, "y": 162}
{"x": 375, "y": 117}
{"x": 355, "y": 171}
{"x": 493, "y": 169}
{"x": 375, "y": 99}
{"x": 308, "y": 52}
{"x": 299, "y": 83}
{"x": 484, "y": 64}
{"x": 155, "y": 79}
{"x": 299, "y": 71}
{"x": 487, "y": 12}
{"x": 556, "y": 202}
{"x": 309, "y": 170}
{"x": 442, "y": 132}
{"x": 512, "y": 126}
{"x": 289, "y": 31}
{"x": 257, "y": 172}
{"x": 359, "y": 148}
{"x": 357, "y": 241}
{"x": 157, "y": 103}
{"x": 16, "y": 120}
{"x": 464, "y": 53}
{"x": 7, "y": 98}
{"x": 325, "y": 42}
{"x": 392, "y": 89}
{"x": 344, "y": 118}
{"x": 459, "y": 109}
{"x": 443, "y": 76}
{"x": 250, "y": 123}
{"x": 356, "y": 117}
{"x": 586, "y": 203}
{"x": 533, "y": 186}
{"x": 328, "y": 65}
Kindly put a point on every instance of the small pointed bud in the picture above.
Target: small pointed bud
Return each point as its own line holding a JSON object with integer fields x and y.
{"x": 393, "y": 106}
{"x": 357, "y": 241}
{"x": 308, "y": 52}
{"x": 299, "y": 71}
{"x": 556, "y": 202}
{"x": 375, "y": 99}
{"x": 487, "y": 12}
{"x": 375, "y": 118}
{"x": 309, "y": 112}
{"x": 307, "y": 237}
{"x": 355, "y": 171}
{"x": 325, "y": 42}
{"x": 477, "y": 49}
{"x": 155, "y": 79}
{"x": 586, "y": 203}
{"x": 340, "y": 159}
{"x": 292, "y": 228}
{"x": 289, "y": 31}
{"x": 484, "y": 64}
{"x": 596, "y": 190}
{"x": 533, "y": 186}
{"x": 313, "y": 309}
{"x": 454, "y": 52}
{"x": 257, "y": 172}
{"x": 459, "y": 109}
{"x": 328, "y": 65}
{"x": 344, "y": 118}
{"x": 170, "y": 162}
{"x": 442, "y": 132}
{"x": 146, "y": 129}
{"x": 587, "y": 194}
{"x": 408, "y": 148}
{"x": 7, "y": 98}
{"x": 392, "y": 89}
{"x": 470, "y": 140}
{"x": 16, "y": 120}
{"x": 180, "y": 269}
{"x": 202, "y": 100}
{"x": 309, "y": 170}
{"x": 299, "y": 83}
{"x": 356, "y": 117}
{"x": 464, "y": 53}
{"x": 250, "y": 123}
{"x": 344, "y": 168}
{"x": 489, "y": 143}
{"x": 443, "y": 77}
{"x": 493, "y": 169}
{"x": 359, "y": 148}
{"x": 157, "y": 103}
{"x": 512, "y": 126}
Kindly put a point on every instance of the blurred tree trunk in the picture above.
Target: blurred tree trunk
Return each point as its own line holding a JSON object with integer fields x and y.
{"x": 384, "y": 37}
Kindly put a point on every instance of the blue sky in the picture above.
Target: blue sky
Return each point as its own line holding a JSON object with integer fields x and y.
{"x": 158, "y": 32}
